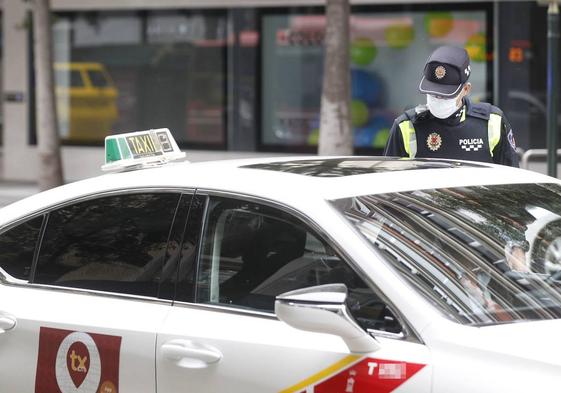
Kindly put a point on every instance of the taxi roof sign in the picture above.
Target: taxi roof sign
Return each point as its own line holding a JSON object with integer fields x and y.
{"x": 140, "y": 149}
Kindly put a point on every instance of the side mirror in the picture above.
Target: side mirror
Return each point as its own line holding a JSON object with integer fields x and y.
{"x": 322, "y": 309}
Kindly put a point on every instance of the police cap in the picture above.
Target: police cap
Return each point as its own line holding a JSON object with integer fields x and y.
{"x": 446, "y": 70}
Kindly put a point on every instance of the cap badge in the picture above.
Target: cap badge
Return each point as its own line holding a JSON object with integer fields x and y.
{"x": 440, "y": 72}
{"x": 434, "y": 141}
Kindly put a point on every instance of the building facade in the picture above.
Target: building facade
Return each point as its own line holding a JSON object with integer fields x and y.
{"x": 238, "y": 79}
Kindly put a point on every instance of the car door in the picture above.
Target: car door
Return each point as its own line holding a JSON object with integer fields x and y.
{"x": 79, "y": 314}
{"x": 224, "y": 336}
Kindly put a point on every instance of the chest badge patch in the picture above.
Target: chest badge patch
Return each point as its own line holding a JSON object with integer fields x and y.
{"x": 434, "y": 141}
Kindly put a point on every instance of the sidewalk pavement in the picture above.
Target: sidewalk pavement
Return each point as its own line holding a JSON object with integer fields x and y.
{"x": 11, "y": 191}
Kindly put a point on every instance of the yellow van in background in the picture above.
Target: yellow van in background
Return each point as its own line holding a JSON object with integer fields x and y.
{"x": 86, "y": 101}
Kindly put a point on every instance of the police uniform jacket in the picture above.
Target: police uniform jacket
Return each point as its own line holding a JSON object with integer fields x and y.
{"x": 476, "y": 132}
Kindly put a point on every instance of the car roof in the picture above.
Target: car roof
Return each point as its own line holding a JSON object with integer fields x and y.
{"x": 294, "y": 181}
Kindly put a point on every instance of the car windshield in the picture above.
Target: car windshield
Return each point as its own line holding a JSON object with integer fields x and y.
{"x": 481, "y": 254}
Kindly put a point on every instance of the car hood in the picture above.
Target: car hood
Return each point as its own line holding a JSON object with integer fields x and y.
{"x": 516, "y": 357}
{"x": 535, "y": 341}
{"x": 531, "y": 340}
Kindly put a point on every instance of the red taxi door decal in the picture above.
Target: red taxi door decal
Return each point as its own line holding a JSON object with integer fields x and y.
{"x": 77, "y": 362}
{"x": 364, "y": 376}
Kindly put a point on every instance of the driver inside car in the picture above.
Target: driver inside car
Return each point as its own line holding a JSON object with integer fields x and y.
{"x": 515, "y": 257}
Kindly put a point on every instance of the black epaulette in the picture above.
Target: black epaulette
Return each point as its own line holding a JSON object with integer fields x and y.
{"x": 414, "y": 114}
{"x": 481, "y": 110}
{"x": 496, "y": 110}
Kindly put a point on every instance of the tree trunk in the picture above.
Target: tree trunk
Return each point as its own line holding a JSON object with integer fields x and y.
{"x": 48, "y": 144}
{"x": 336, "y": 136}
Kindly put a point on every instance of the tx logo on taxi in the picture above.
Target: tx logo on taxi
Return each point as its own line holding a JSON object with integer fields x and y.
{"x": 77, "y": 362}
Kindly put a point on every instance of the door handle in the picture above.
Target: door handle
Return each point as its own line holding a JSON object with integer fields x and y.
{"x": 6, "y": 323}
{"x": 189, "y": 354}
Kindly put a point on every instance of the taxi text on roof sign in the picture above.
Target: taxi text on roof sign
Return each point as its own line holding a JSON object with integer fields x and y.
{"x": 140, "y": 149}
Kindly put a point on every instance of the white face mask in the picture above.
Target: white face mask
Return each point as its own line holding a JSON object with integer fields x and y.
{"x": 441, "y": 107}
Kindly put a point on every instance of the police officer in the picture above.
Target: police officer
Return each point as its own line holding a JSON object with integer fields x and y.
{"x": 450, "y": 125}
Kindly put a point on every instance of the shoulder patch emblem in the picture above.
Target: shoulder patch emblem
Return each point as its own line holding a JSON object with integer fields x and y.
{"x": 511, "y": 140}
{"x": 434, "y": 141}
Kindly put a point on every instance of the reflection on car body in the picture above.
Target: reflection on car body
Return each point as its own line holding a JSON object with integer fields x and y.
{"x": 348, "y": 274}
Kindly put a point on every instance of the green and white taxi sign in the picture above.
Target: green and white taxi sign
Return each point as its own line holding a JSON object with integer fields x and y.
{"x": 140, "y": 149}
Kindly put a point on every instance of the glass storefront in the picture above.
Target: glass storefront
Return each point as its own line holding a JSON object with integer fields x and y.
{"x": 123, "y": 71}
{"x": 250, "y": 79}
{"x": 388, "y": 52}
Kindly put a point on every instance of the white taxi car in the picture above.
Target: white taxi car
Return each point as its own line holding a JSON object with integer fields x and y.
{"x": 324, "y": 275}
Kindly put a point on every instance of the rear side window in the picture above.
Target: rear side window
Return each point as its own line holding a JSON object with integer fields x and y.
{"x": 114, "y": 244}
{"x": 17, "y": 246}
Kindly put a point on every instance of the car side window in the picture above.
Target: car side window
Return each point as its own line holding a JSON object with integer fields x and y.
{"x": 251, "y": 253}
{"x": 18, "y": 246}
{"x": 76, "y": 79}
{"x": 114, "y": 243}
{"x": 97, "y": 78}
